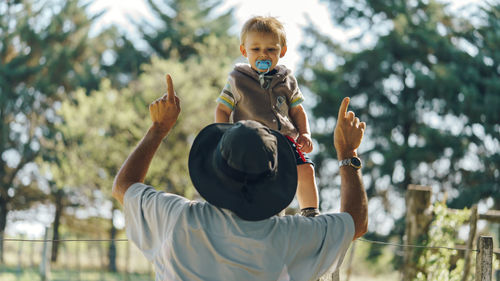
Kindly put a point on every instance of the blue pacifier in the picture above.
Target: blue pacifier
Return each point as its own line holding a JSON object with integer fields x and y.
{"x": 263, "y": 64}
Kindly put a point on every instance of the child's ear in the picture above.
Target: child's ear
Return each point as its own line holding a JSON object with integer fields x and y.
{"x": 243, "y": 50}
{"x": 283, "y": 51}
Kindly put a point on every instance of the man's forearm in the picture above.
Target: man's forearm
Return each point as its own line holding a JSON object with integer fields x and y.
{"x": 346, "y": 139}
{"x": 353, "y": 198}
{"x": 136, "y": 166}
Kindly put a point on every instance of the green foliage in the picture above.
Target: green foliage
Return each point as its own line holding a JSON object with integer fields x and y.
{"x": 481, "y": 101}
{"x": 101, "y": 129}
{"x": 121, "y": 62}
{"x": 435, "y": 264}
{"x": 185, "y": 26}
{"x": 427, "y": 98}
{"x": 45, "y": 52}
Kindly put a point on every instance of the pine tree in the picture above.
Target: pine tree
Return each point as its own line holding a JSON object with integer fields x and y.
{"x": 98, "y": 137}
{"x": 421, "y": 91}
{"x": 185, "y": 27}
{"x": 480, "y": 103}
{"x": 45, "y": 52}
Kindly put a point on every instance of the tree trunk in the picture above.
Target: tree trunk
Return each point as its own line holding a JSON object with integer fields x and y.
{"x": 418, "y": 219}
{"x": 112, "y": 244}
{"x": 57, "y": 221}
{"x": 3, "y": 223}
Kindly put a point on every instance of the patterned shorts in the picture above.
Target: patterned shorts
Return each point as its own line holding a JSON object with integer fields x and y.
{"x": 300, "y": 156}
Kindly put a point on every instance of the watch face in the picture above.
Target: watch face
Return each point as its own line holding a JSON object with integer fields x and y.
{"x": 356, "y": 162}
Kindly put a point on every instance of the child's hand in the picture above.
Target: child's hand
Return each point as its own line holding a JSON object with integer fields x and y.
{"x": 165, "y": 110}
{"x": 305, "y": 143}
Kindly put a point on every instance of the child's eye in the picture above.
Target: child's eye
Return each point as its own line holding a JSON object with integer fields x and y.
{"x": 255, "y": 49}
{"x": 271, "y": 49}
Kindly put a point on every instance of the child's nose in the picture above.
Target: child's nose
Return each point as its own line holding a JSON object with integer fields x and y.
{"x": 265, "y": 52}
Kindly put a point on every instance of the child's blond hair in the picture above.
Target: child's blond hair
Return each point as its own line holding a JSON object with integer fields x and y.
{"x": 265, "y": 25}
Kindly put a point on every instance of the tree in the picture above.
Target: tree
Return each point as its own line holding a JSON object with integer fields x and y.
{"x": 124, "y": 64}
{"x": 185, "y": 26}
{"x": 417, "y": 86}
{"x": 122, "y": 60}
{"x": 100, "y": 129}
{"x": 479, "y": 92}
{"x": 44, "y": 53}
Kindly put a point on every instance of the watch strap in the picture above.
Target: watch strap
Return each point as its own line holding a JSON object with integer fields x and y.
{"x": 349, "y": 162}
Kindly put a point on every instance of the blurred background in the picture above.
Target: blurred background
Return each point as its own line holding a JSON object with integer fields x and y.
{"x": 77, "y": 76}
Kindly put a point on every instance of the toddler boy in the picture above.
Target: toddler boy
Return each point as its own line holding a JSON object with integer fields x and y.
{"x": 268, "y": 93}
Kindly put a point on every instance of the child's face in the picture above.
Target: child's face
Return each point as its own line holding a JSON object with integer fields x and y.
{"x": 262, "y": 46}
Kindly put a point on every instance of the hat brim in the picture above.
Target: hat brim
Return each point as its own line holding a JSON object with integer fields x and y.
{"x": 268, "y": 196}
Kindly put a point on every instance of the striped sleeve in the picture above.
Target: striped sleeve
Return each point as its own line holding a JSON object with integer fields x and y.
{"x": 296, "y": 101}
{"x": 226, "y": 97}
{"x": 296, "y": 97}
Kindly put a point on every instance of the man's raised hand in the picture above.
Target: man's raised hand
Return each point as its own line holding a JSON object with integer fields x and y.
{"x": 348, "y": 132}
{"x": 165, "y": 110}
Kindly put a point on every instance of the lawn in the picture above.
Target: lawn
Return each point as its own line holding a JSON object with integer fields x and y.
{"x": 10, "y": 273}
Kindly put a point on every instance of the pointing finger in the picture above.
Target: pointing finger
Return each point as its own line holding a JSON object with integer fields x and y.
{"x": 343, "y": 108}
{"x": 170, "y": 88}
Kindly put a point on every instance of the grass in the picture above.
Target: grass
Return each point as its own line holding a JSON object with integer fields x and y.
{"x": 87, "y": 262}
{"x": 13, "y": 273}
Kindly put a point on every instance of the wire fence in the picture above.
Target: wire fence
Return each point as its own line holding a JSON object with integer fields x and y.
{"x": 496, "y": 251}
{"x": 75, "y": 259}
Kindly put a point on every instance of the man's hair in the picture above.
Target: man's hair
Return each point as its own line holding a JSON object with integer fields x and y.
{"x": 262, "y": 24}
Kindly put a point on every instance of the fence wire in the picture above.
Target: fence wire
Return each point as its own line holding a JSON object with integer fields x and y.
{"x": 416, "y": 246}
{"x": 126, "y": 240}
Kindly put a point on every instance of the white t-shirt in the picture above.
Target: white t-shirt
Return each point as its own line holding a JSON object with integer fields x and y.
{"x": 190, "y": 240}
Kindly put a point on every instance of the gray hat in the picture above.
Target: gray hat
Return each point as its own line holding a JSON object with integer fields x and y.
{"x": 244, "y": 167}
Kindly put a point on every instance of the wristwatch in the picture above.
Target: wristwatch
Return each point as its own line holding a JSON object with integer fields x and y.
{"x": 354, "y": 162}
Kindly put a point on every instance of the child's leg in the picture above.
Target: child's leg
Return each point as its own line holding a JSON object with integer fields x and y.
{"x": 307, "y": 193}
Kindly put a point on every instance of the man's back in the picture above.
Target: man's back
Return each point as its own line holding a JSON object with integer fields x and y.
{"x": 190, "y": 240}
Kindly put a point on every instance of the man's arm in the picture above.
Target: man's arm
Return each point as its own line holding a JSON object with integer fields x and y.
{"x": 164, "y": 112}
{"x": 347, "y": 138}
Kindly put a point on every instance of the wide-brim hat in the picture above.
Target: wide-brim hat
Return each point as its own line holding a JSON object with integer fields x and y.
{"x": 244, "y": 167}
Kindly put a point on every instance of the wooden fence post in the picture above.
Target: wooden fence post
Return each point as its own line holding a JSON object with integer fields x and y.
{"x": 484, "y": 258}
{"x": 418, "y": 219}
{"x": 470, "y": 241}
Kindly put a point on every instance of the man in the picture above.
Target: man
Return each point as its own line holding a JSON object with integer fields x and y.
{"x": 246, "y": 174}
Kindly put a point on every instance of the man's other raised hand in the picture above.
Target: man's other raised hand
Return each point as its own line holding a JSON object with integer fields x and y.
{"x": 348, "y": 132}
